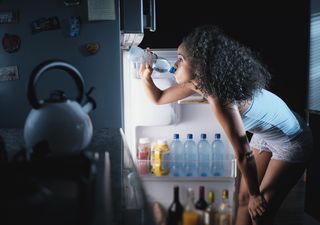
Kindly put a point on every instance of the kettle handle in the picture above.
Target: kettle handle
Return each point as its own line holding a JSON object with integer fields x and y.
{"x": 48, "y": 65}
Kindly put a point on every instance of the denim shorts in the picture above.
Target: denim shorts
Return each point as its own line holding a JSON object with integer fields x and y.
{"x": 296, "y": 150}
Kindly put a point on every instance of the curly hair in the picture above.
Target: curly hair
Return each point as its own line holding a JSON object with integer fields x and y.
{"x": 223, "y": 67}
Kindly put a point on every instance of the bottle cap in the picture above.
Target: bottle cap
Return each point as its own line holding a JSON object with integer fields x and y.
{"x": 225, "y": 193}
{"x": 172, "y": 69}
{"x": 161, "y": 142}
{"x": 176, "y": 136}
{"x": 211, "y": 196}
{"x": 217, "y": 135}
{"x": 203, "y": 136}
{"x": 189, "y": 136}
{"x": 145, "y": 140}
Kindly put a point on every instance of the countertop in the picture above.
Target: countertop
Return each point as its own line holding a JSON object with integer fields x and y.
{"x": 104, "y": 140}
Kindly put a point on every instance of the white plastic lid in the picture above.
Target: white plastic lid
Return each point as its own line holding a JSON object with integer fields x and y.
{"x": 161, "y": 142}
{"x": 144, "y": 140}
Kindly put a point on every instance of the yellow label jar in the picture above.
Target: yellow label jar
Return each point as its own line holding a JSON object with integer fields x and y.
{"x": 160, "y": 159}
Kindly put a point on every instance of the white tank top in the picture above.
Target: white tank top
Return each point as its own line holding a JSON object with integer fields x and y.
{"x": 269, "y": 116}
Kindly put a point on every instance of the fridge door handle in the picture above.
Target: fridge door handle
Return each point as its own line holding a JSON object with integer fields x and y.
{"x": 151, "y": 22}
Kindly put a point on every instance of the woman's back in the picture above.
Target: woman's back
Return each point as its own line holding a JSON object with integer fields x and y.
{"x": 270, "y": 116}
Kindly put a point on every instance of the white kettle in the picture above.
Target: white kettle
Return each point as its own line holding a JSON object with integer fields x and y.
{"x": 58, "y": 124}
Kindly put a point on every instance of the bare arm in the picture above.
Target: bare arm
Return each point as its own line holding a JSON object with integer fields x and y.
{"x": 230, "y": 119}
{"x": 168, "y": 95}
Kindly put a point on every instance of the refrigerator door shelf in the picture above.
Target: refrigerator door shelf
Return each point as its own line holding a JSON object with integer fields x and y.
{"x": 145, "y": 171}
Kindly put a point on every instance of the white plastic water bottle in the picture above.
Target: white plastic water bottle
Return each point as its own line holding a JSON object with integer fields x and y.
{"x": 217, "y": 148}
{"x": 204, "y": 151}
{"x": 159, "y": 64}
{"x": 176, "y": 156}
{"x": 191, "y": 156}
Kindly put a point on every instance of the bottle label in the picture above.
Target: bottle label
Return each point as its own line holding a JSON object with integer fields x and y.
{"x": 224, "y": 219}
{"x": 160, "y": 161}
{"x": 165, "y": 158}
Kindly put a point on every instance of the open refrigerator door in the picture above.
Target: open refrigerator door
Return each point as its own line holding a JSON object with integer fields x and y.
{"x": 145, "y": 121}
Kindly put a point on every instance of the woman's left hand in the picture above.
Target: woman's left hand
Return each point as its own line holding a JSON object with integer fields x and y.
{"x": 194, "y": 87}
{"x": 257, "y": 206}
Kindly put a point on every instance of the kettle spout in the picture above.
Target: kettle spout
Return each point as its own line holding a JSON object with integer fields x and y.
{"x": 90, "y": 103}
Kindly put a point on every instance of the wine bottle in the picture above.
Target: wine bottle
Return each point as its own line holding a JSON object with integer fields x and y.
{"x": 201, "y": 204}
{"x": 190, "y": 215}
{"x": 174, "y": 215}
{"x": 225, "y": 210}
{"x": 210, "y": 215}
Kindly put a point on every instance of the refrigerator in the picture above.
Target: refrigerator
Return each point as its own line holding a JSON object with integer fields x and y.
{"x": 271, "y": 34}
{"x": 143, "y": 119}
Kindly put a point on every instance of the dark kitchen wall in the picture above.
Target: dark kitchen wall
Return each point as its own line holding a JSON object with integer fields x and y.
{"x": 101, "y": 70}
{"x": 278, "y": 30}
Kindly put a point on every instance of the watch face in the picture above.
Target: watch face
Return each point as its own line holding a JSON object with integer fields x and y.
{"x": 11, "y": 42}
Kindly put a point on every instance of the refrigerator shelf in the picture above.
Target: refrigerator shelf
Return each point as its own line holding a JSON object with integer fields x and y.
{"x": 186, "y": 179}
{"x": 145, "y": 171}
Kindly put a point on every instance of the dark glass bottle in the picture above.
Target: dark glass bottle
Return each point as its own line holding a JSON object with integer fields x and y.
{"x": 201, "y": 204}
{"x": 175, "y": 211}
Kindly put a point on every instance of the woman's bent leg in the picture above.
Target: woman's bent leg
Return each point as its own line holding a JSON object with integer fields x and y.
{"x": 262, "y": 160}
{"x": 279, "y": 179}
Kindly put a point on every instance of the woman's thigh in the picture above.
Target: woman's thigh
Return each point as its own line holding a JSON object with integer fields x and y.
{"x": 276, "y": 178}
{"x": 280, "y": 177}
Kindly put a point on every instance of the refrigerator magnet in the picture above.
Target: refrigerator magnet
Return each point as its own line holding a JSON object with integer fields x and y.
{"x": 44, "y": 24}
{"x": 10, "y": 16}
{"x": 92, "y": 48}
{"x": 9, "y": 73}
{"x": 74, "y": 26}
{"x": 11, "y": 42}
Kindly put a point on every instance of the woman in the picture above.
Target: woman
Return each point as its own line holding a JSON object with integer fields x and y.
{"x": 233, "y": 80}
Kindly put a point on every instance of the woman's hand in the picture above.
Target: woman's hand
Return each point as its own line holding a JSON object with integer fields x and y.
{"x": 257, "y": 206}
{"x": 145, "y": 70}
{"x": 194, "y": 86}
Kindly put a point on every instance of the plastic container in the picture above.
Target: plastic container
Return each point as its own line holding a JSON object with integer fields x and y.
{"x": 204, "y": 151}
{"x": 160, "y": 161}
{"x": 144, "y": 148}
{"x": 218, "y": 156}
{"x": 191, "y": 156}
{"x": 176, "y": 156}
{"x": 143, "y": 155}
